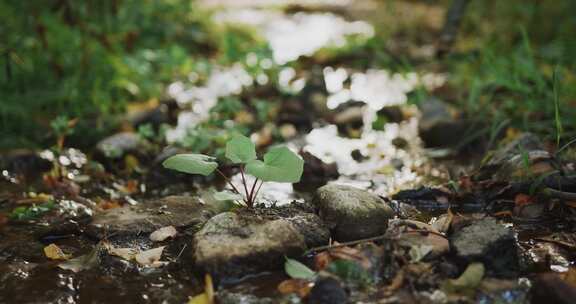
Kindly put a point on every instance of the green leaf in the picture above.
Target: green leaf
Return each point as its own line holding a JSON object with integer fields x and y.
{"x": 279, "y": 165}
{"x": 191, "y": 163}
{"x": 350, "y": 271}
{"x": 240, "y": 149}
{"x": 227, "y": 196}
{"x": 297, "y": 270}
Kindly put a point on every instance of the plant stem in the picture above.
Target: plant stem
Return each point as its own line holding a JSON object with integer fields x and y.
{"x": 252, "y": 197}
{"x": 228, "y": 181}
{"x": 244, "y": 184}
{"x": 258, "y": 190}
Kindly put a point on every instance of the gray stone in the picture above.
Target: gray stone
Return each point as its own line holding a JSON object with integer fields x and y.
{"x": 438, "y": 128}
{"x": 146, "y": 217}
{"x": 352, "y": 213}
{"x": 225, "y": 297}
{"x": 235, "y": 245}
{"x": 487, "y": 241}
{"x": 117, "y": 145}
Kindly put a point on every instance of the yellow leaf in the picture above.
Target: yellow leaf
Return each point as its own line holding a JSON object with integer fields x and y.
{"x": 55, "y": 253}
{"x": 207, "y": 297}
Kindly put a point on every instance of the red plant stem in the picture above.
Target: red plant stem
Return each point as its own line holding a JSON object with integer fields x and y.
{"x": 262, "y": 183}
{"x": 228, "y": 181}
{"x": 244, "y": 183}
{"x": 251, "y": 197}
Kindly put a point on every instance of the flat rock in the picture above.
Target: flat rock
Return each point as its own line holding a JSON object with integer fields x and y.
{"x": 148, "y": 216}
{"x": 352, "y": 213}
{"x": 115, "y": 146}
{"x": 439, "y": 128}
{"x": 486, "y": 241}
{"x": 234, "y": 245}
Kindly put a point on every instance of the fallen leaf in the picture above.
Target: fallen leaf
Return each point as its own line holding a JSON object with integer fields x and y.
{"x": 125, "y": 253}
{"x": 163, "y": 233}
{"x": 207, "y": 297}
{"x": 298, "y": 286}
{"x": 418, "y": 252}
{"x": 442, "y": 224}
{"x": 396, "y": 283}
{"x": 522, "y": 199}
{"x": 83, "y": 262}
{"x": 322, "y": 260}
{"x": 150, "y": 257}
{"x": 467, "y": 282}
{"x": 297, "y": 270}
{"x": 350, "y": 254}
{"x": 54, "y": 252}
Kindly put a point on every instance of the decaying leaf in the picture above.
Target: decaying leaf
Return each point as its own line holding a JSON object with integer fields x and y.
{"x": 54, "y": 252}
{"x": 83, "y": 262}
{"x": 323, "y": 259}
{"x": 150, "y": 257}
{"x": 418, "y": 252}
{"x": 125, "y": 253}
{"x": 297, "y": 286}
{"x": 207, "y": 297}
{"x": 297, "y": 270}
{"x": 468, "y": 281}
{"x": 442, "y": 224}
{"x": 163, "y": 234}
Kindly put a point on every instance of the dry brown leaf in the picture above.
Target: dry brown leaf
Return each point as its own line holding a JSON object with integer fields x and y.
{"x": 150, "y": 257}
{"x": 350, "y": 254}
{"x": 163, "y": 233}
{"x": 522, "y": 199}
{"x": 322, "y": 260}
{"x": 125, "y": 253}
{"x": 298, "y": 286}
{"x": 54, "y": 252}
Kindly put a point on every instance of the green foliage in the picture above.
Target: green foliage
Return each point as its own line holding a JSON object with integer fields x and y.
{"x": 85, "y": 58}
{"x": 191, "y": 164}
{"x": 240, "y": 149}
{"x": 32, "y": 212}
{"x": 279, "y": 165}
{"x": 297, "y": 270}
{"x": 350, "y": 271}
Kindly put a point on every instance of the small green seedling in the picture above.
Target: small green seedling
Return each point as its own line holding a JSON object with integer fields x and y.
{"x": 279, "y": 165}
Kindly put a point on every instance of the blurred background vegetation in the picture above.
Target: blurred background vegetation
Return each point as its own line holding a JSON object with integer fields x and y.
{"x": 90, "y": 59}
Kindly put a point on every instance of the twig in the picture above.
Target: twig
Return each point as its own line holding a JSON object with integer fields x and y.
{"x": 551, "y": 193}
{"x": 228, "y": 181}
{"x": 327, "y": 247}
{"x": 451, "y": 25}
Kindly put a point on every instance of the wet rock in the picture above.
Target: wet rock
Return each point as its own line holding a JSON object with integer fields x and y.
{"x": 352, "y": 213}
{"x": 438, "y": 128}
{"x": 550, "y": 288}
{"x": 316, "y": 172}
{"x": 146, "y": 217}
{"x": 24, "y": 163}
{"x": 327, "y": 291}
{"x": 523, "y": 158}
{"x": 235, "y": 245}
{"x": 311, "y": 227}
{"x": 119, "y": 144}
{"x": 225, "y": 297}
{"x": 393, "y": 114}
{"x": 349, "y": 118}
{"x": 487, "y": 241}
{"x": 424, "y": 198}
{"x": 155, "y": 116}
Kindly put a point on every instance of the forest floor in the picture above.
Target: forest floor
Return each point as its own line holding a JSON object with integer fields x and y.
{"x": 405, "y": 198}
